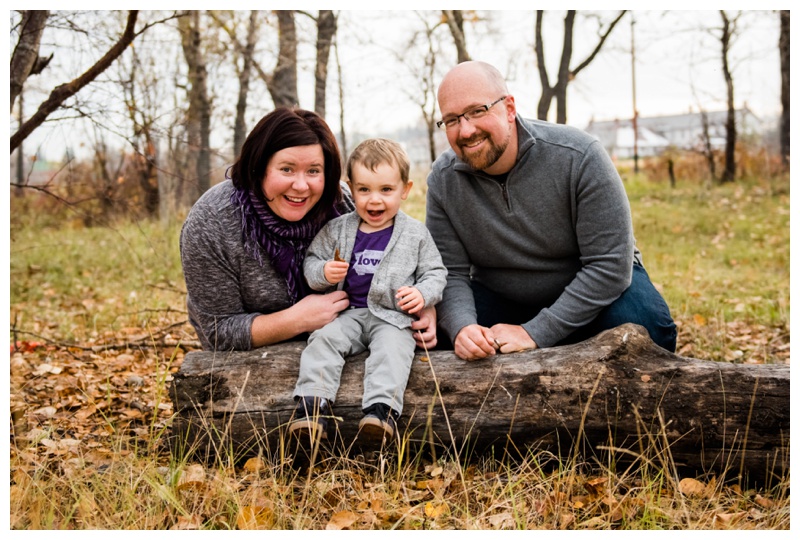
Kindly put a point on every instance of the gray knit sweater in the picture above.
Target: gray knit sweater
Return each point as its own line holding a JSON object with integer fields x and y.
{"x": 557, "y": 234}
{"x": 410, "y": 259}
{"x": 226, "y": 287}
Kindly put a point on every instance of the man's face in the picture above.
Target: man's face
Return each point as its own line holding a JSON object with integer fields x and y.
{"x": 479, "y": 142}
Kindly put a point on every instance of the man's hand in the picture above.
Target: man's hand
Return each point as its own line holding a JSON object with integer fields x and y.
{"x": 426, "y": 324}
{"x": 511, "y": 338}
{"x": 474, "y": 342}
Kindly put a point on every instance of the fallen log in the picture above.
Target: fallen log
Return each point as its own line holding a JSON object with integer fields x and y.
{"x": 617, "y": 396}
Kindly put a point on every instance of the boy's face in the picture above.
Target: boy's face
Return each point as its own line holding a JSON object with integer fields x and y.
{"x": 377, "y": 195}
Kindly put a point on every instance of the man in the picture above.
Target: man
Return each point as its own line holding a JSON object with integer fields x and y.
{"x": 534, "y": 227}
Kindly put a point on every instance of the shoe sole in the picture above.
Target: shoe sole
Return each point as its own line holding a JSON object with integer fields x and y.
{"x": 374, "y": 432}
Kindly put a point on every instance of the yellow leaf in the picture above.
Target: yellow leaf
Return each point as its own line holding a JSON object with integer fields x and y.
{"x": 341, "y": 520}
{"x": 692, "y": 488}
{"x": 699, "y": 320}
{"x": 434, "y": 512}
{"x": 254, "y": 464}
{"x": 255, "y": 518}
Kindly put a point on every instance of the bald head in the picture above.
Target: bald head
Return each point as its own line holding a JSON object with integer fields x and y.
{"x": 473, "y": 75}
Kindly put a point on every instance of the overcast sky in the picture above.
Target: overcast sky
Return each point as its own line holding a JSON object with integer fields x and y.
{"x": 678, "y": 68}
{"x": 678, "y": 65}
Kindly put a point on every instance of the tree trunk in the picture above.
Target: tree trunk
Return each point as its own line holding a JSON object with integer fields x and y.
{"x": 342, "y": 131}
{"x": 564, "y": 75}
{"x": 455, "y": 22}
{"x": 198, "y": 116}
{"x": 26, "y": 53}
{"x": 239, "y": 124}
{"x": 326, "y": 30}
{"x": 282, "y": 85}
{"x": 615, "y": 396}
{"x": 729, "y": 173}
{"x": 783, "y": 45}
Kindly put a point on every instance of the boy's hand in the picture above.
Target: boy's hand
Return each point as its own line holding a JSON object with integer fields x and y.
{"x": 335, "y": 271}
{"x": 410, "y": 299}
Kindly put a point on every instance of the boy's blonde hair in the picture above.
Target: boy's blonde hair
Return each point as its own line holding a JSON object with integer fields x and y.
{"x": 373, "y": 152}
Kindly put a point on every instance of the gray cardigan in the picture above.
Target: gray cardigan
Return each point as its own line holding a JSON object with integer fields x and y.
{"x": 226, "y": 287}
{"x": 411, "y": 258}
{"x": 556, "y": 235}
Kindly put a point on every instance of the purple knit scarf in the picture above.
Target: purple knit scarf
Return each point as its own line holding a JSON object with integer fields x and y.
{"x": 285, "y": 242}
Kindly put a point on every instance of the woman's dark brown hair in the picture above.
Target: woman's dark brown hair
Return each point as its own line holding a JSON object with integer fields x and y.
{"x": 285, "y": 128}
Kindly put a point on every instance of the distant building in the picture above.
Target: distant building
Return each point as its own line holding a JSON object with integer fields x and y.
{"x": 657, "y": 133}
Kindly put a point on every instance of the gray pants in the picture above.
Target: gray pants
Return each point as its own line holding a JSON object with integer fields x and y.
{"x": 354, "y": 331}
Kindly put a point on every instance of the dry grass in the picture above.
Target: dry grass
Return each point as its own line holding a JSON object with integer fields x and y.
{"x": 91, "y": 414}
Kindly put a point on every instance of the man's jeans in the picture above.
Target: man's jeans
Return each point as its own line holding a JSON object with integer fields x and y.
{"x": 641, "y": 304}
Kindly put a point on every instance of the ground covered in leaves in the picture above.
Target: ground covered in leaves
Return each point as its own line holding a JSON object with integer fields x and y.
{"x": 99, "y": 328}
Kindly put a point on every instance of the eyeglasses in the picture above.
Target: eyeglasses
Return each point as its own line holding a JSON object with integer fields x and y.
{"x": 472, "y": 114}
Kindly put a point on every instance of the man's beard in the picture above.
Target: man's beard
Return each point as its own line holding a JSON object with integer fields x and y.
{"x": 487, "y": 157}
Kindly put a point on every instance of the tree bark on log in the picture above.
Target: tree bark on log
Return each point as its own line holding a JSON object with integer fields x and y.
{"x": 616, "y": 397}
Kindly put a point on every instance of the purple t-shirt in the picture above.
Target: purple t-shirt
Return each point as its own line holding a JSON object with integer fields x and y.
{"x": 367, "y": 255}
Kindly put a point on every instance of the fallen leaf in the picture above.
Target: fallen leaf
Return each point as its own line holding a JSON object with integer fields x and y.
{"x": 692, "y": 488}
{"x": 699, "y": 320}
{"x": 194, "y": 476}
{"x": 502, "y": 521}
{"x": 434, "y": 511}
{"x": 187, "y": 523}
{"x": 341, "y": 520}
{"x": 255, "y": 518}
{"x": 337, "y": 257}
{"x": 728, "y": 519}
{"x": 254, "y": 465}
{"x": 645, "y": 378}
{"x": 763, "y": 502}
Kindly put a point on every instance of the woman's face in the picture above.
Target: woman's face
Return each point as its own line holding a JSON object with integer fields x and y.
{"x": 294, "y": 181}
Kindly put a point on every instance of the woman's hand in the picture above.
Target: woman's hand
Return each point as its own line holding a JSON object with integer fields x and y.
{"x": 316, "y": 310}
{"x": 309, "y": 314}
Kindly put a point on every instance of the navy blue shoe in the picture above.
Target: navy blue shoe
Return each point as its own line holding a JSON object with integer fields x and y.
{"x": 379, "y": 425}
{"x": 311, "y": 419}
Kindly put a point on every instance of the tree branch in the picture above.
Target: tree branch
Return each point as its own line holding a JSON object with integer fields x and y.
{"x": 65, "y": 91}
{"x": 599, "y": 45}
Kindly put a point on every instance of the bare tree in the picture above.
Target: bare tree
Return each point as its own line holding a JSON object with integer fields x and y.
{"x": 64, "y": 91}
{"x": 239, "y": 127}
{"x": 138, "y": 83}
{"x": 342, "y": 133}
{"x": 565, "y": 73}
{"x": 25, "y": 60}
{"x": 282, "y": 85}
{"x": 783, "y": 46}
{"x": 198, "y": 115}
{"x": 455, "y": 22}
{"x": 246, "y": 54}
{"x": 326, "y": 30}
{"x": 728, "y": 32}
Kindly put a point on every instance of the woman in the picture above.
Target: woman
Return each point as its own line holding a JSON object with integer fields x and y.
{"x": 244, "y": 241}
